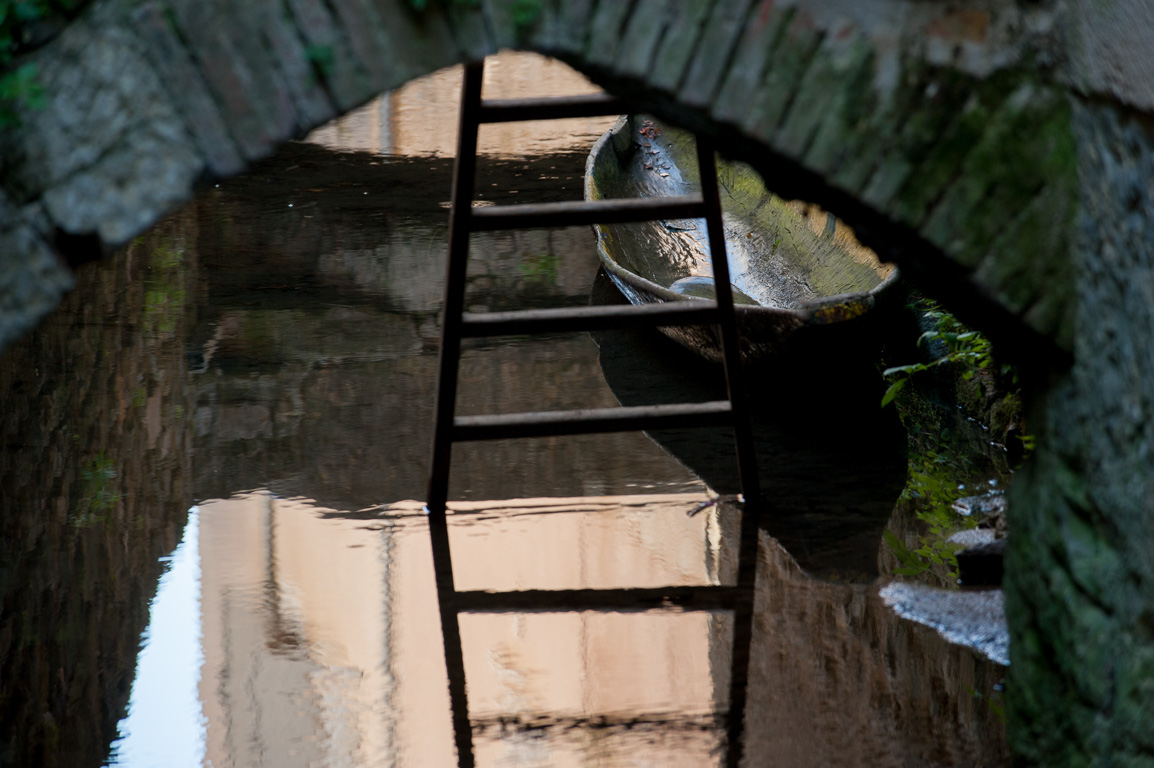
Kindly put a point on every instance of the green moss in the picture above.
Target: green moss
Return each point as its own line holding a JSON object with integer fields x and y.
{"x": 926, "y": 183}
{"x": 1027, "y": 149}
{"x": 821, "y": 103}
{"x": 165, "y": 298}
{"x": 839, "y": 135}
{"x": 98, "y": 493}
{"x": 786, "y": 68}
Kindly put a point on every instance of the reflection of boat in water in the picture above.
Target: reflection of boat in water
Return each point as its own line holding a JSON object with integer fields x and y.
{"x": 832, "y": 462}
{"x": 793, "y": 286}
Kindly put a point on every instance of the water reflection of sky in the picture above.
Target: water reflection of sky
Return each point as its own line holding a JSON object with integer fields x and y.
{"x": 165, "y": 725}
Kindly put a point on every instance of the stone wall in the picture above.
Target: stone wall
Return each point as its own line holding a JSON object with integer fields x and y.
{"x": 941, "y": 134}
{"x": 1080, "y": 579}
{"x": 94, "y": 484}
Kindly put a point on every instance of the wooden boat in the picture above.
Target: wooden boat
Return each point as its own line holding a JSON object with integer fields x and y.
{"x": 793, "y": 285}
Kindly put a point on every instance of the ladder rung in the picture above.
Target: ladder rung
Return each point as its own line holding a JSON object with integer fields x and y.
{"x": 592, "y": 420}
{"x": 577, "y": 212}
{"x": 700, "y": 312}
{"x": 704, "y": 598}
{"x": 560, "y": 108}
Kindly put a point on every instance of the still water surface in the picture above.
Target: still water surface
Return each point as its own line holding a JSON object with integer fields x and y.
{"x": 239, "y": 404}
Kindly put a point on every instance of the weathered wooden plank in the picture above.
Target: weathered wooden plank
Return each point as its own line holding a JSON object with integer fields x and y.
{"x": 714, "y": 52}
{"x": 586, "y": 421}
{"x": 762, "y": 34}
{"x": 188, "y": 90}
{"x": 703, "y": 598}
{"x": 567, "y": 319}
{"x": 580, "y": 213}
{"x": 550, "y": 108}
{"x": 678, "y": 45}
{"x": 790, "y": 60}
{"x": 642, "y": 35}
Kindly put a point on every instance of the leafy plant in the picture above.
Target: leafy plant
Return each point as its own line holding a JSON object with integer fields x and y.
{"x": 165, "y": 296}
{"x": 943, "y": 467}
{"x": 98, "y": 494}
{"x": 931, "y": 490}
{"x": 540, "y": 268}
{"x": 962, "y": 346}
{"x": 525, "y": 12}
{"x": 322, "y": 57}
{"x": 17, "y": 84}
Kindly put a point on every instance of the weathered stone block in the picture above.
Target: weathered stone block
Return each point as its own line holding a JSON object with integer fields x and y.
{"x": 762, "y": 34}
{"x": 648, "y": 24}
{"x": 238, "y": 78}
{"x": 570, "y": 25}
{"x": 828, "y": 98}
{"x": 677, "y": 46}
{"x": 713, "y": 51}
{"x": 605, "y": 31}
{"x": 332, "y": 58}
{"x": 32, "y": 278}
{"x": 295, "y": 69}
{"x": 411, "y": 43}
{"x": 187, "y": 89}
{"x": 474, "y": 39}
{"x": 790, "y": 60}
{"x": 899, "y": 135}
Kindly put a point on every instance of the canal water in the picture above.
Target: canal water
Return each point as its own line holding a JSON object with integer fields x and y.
{"x": 212, "y": 548}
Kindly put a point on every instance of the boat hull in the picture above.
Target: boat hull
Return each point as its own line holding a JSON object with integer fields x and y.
{"x": 793, "y": 285}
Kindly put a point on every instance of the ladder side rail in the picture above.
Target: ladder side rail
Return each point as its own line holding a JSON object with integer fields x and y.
{"x": 746, "y": 456}
{"x": 461, "y": 208}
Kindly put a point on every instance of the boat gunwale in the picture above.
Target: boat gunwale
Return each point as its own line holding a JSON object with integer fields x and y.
{"x": 811, "y": 312}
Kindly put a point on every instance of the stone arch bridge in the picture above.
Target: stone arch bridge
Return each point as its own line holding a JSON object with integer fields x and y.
{"x": 999, "y": 151}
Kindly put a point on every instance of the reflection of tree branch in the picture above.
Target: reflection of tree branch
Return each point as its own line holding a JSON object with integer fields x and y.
{"x": 283, "y": 636}
{"x": 387, "y": 551}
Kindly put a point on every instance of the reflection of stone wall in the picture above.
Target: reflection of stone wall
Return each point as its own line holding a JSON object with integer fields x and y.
{"x": 343, "y": 226}
{"x": 94, "y": 482}
{"x": 420, "y": 118}
{"x": 358, "y": 432}
{"x": 837, "y": 680}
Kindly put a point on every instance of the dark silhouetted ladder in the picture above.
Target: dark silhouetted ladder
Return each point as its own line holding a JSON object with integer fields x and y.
{"x": 449, "y": 428}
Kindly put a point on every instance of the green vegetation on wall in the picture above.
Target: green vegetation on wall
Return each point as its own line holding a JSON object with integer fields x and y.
{"x": 17, "y": 83}
{"x": 945, "y": 464}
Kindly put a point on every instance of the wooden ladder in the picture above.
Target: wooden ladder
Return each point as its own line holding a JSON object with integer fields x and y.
{"x": 457, "y": 324}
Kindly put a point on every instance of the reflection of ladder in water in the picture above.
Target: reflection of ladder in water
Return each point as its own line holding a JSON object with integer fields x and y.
{"x": 449, "y": 428}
